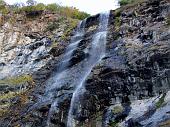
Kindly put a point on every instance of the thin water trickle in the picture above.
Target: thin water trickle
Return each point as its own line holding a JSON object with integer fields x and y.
{"x": 62, "y": 71}
{"x": 97, "y": 52}
{"x": 75, "y": 40}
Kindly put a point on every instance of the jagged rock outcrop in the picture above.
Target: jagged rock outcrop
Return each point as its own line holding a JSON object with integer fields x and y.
{"x": 28, "y": 55}
{"x": 129, "y": 87}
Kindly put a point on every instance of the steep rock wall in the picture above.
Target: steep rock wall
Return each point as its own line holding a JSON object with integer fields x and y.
{"x": 129, "y": 87}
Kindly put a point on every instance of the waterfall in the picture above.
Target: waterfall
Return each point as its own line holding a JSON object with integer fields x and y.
{"x": 66, "y": 78}
{"x": 55, "y": 81}
{"x": 97, "y": 52}
{"x": 75, "y": 40}
{"x": 61, "y": 72}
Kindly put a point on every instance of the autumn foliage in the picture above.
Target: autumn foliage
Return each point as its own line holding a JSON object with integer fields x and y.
{"x": 33, "y": 6}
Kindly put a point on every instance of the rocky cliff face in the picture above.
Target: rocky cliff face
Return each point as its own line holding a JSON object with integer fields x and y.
{"x": 129, "y": 87}
{"x": 28, "y": 53}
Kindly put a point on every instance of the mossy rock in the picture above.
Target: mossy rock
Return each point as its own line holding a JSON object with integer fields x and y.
{"x": 113, "y": 124}
{"x": 117, "y": 23}
{"x": 168, "y": 20}
{"x": 72, "y": 23}
{"x": 17, "y": 80}
{"x": 117, "y": 109}
{"x": 160, "y": 102}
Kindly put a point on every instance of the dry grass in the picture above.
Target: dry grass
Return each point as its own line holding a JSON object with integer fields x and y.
{"x": 10, "y": 95}
{"x": 17, "y": 80}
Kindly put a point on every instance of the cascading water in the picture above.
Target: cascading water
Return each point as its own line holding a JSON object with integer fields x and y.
{"x": 75, "y": 40}
{"x": 61, "y": 70}
{"x": 97, "y": 52}
{"x": 67, "y": 78}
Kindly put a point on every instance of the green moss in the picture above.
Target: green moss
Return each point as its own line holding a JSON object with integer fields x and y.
{"x": 118, "y": 12}
{"x": 52, "y": 26}
{"x": 17, "y": 80}
{"x": 113, "y": 124}
{"x": 9, "y": 95}
{"x": 161, "y": 101}
{"x": 117, "y": 109}
{"x": 168, "y": 21}
{"x": 117, "y": 23}
{"x": 99, "y": 117}
{"x": 71, "y": 25}
{"x": 3, "y": 112}
{"x": 4, "y": 108}
{"x": 55, "y": 25}
{"x": 3, "y": 8}
{"x": 6, "y": 105}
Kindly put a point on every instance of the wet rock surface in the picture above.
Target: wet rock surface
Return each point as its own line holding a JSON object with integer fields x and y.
{"x": 128, "y": 87}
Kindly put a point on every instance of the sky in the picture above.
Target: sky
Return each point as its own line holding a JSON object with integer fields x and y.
{"x": 90, "y": 6}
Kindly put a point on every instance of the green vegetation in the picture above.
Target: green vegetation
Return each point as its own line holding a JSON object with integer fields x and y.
{"x": 3, "y": 8}
{"x": 117, "y": 23}
{"x": 32, "y": 6}
{"x": 69, "y": 28}
{"x": 117, "y": 109}
{"x": 168, "y": 20}
{"x": 71, "y": 24}
{"x": 118, "y": 12}
{"x": 52, "y": 26}
{"x": 67, "y": 11}
{"x": 125, "y": 2}
{"x": 113, "y": 124}
{"x": 17, "y": 80}
{"x": 161, "y": 101}
{"x": 56, "y": 24}
{"x": 53, "y": 7}
{"x": 9, "y": 95}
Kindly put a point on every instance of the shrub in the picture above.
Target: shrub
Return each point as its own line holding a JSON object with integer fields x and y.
{"x": 53, "y": 7}
{"x": 17, "y": 80}
{"x": 160, "y": 101}
{"x": 40, "y": 6}
{"x": 117, "y": 23}
{"x": 3, "y": 8}
{"x": 117, "y": 109}
{"x": 168, "y": 20}
{"x": 69, "y": 28}
{"x": 125, "y": 2}
{"x": 113, "y": 124}
{"x": 52, "y": 26}
{"x": 33, "y": 6}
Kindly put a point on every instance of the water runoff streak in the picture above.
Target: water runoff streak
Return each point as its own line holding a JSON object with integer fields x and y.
{"x": 56, "y": 81}
{"x": 97, "y": 52}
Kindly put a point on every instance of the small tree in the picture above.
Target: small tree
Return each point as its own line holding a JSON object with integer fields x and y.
{"x": 3, "y": 8}
{"x": 40, "y": 6}
{"x": 2, "y": 2}
{"x": 53, "y": 7}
